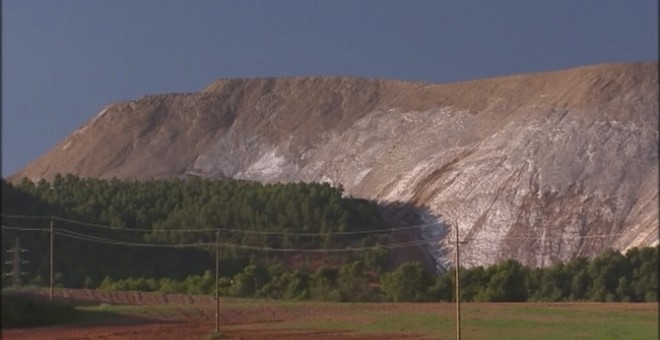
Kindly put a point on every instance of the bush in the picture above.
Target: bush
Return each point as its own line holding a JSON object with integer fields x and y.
{"x": 169, "y": 286}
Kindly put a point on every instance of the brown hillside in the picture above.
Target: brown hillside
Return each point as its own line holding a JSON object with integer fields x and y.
{"x": 532, "y": 166}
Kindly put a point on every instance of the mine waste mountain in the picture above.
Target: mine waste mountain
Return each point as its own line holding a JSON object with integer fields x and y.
{"x": 536, "y": 167}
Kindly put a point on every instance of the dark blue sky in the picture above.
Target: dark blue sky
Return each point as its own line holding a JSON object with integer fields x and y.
{"x": 62, "y": 61}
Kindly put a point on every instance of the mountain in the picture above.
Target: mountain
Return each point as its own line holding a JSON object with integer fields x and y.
{"x": 537, "y": 167}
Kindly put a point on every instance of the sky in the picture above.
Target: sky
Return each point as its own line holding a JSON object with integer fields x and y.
{"x": 63, "y": 61}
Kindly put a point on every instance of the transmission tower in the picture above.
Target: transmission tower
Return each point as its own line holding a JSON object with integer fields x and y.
{"x": 16, "y": 263}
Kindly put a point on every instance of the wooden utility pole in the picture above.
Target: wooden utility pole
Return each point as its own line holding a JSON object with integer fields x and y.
{"x": 458, "y": 287}
{"x": 50, "y": 291}
{"x": 217, "y": 295}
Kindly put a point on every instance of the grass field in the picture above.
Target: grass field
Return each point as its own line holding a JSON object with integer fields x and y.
{"x": 479, "y": 321}
{"x": 507, "y": 321}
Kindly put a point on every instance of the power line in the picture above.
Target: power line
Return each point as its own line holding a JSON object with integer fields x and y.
{"x": 25, "y": 216}
{"x": 209, "y": 230}
{"x": 437, "y": 241}
{"x": 274, "y": 233}
{"x": 416, "y": 242}
{"x": 24, "y": 228}
{"x": 531, "y": 238}
{"x": 107, "y": 241}
{"x": 209, "y": 244}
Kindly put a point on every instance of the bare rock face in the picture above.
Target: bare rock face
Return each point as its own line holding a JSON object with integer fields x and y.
{"x": 539, "y": 167}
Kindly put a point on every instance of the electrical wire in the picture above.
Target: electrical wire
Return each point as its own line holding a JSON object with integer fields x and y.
{"x": 84, "y": 237}
{"x": 100, "y": 240}
{"x": 208, "y": 230}
{"x": 25, "y": 228}
{"x": 26, "y": 216}
{"x": 414, "y": 243}
{"x": 107, "y": 241}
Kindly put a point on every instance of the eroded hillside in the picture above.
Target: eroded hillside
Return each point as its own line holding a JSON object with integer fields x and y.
{"x": 538, "y": 167}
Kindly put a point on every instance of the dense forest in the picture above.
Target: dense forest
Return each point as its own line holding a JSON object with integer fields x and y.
{"x": 163, "y": 235}
{"x": 251, "y": 217}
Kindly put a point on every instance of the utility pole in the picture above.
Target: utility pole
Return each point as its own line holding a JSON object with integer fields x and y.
{"x": 217, "y": 295}
{"x": 458, "y": 286}
{"x": 50, "y": 291}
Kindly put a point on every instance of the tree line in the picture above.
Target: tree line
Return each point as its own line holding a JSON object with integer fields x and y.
{"x": 610, "y": 277}
{"x": 173, "y": 211}
{"x": 156, "y": 211}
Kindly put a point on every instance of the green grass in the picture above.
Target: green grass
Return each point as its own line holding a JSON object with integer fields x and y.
{"x": 214, "y": 335}
{"x": 105, "y": 310}
{"x": 563, "y": 321}
{"x": 490, "y": 321}
{"x": 378, "y": 322}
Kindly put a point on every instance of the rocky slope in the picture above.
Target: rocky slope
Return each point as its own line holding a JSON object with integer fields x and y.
{"x": 538, "y": 167}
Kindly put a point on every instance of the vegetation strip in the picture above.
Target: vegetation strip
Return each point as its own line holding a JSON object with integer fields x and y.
{"x": 305, "y": 214}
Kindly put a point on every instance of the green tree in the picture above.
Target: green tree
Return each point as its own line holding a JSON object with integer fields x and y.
{"x": 324, "y": 282}
{"x": 409, "y": 282}
{"x": 507, "y": 284}
{"x": 442, "y": 289}
{"x": 354, "y": 282}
